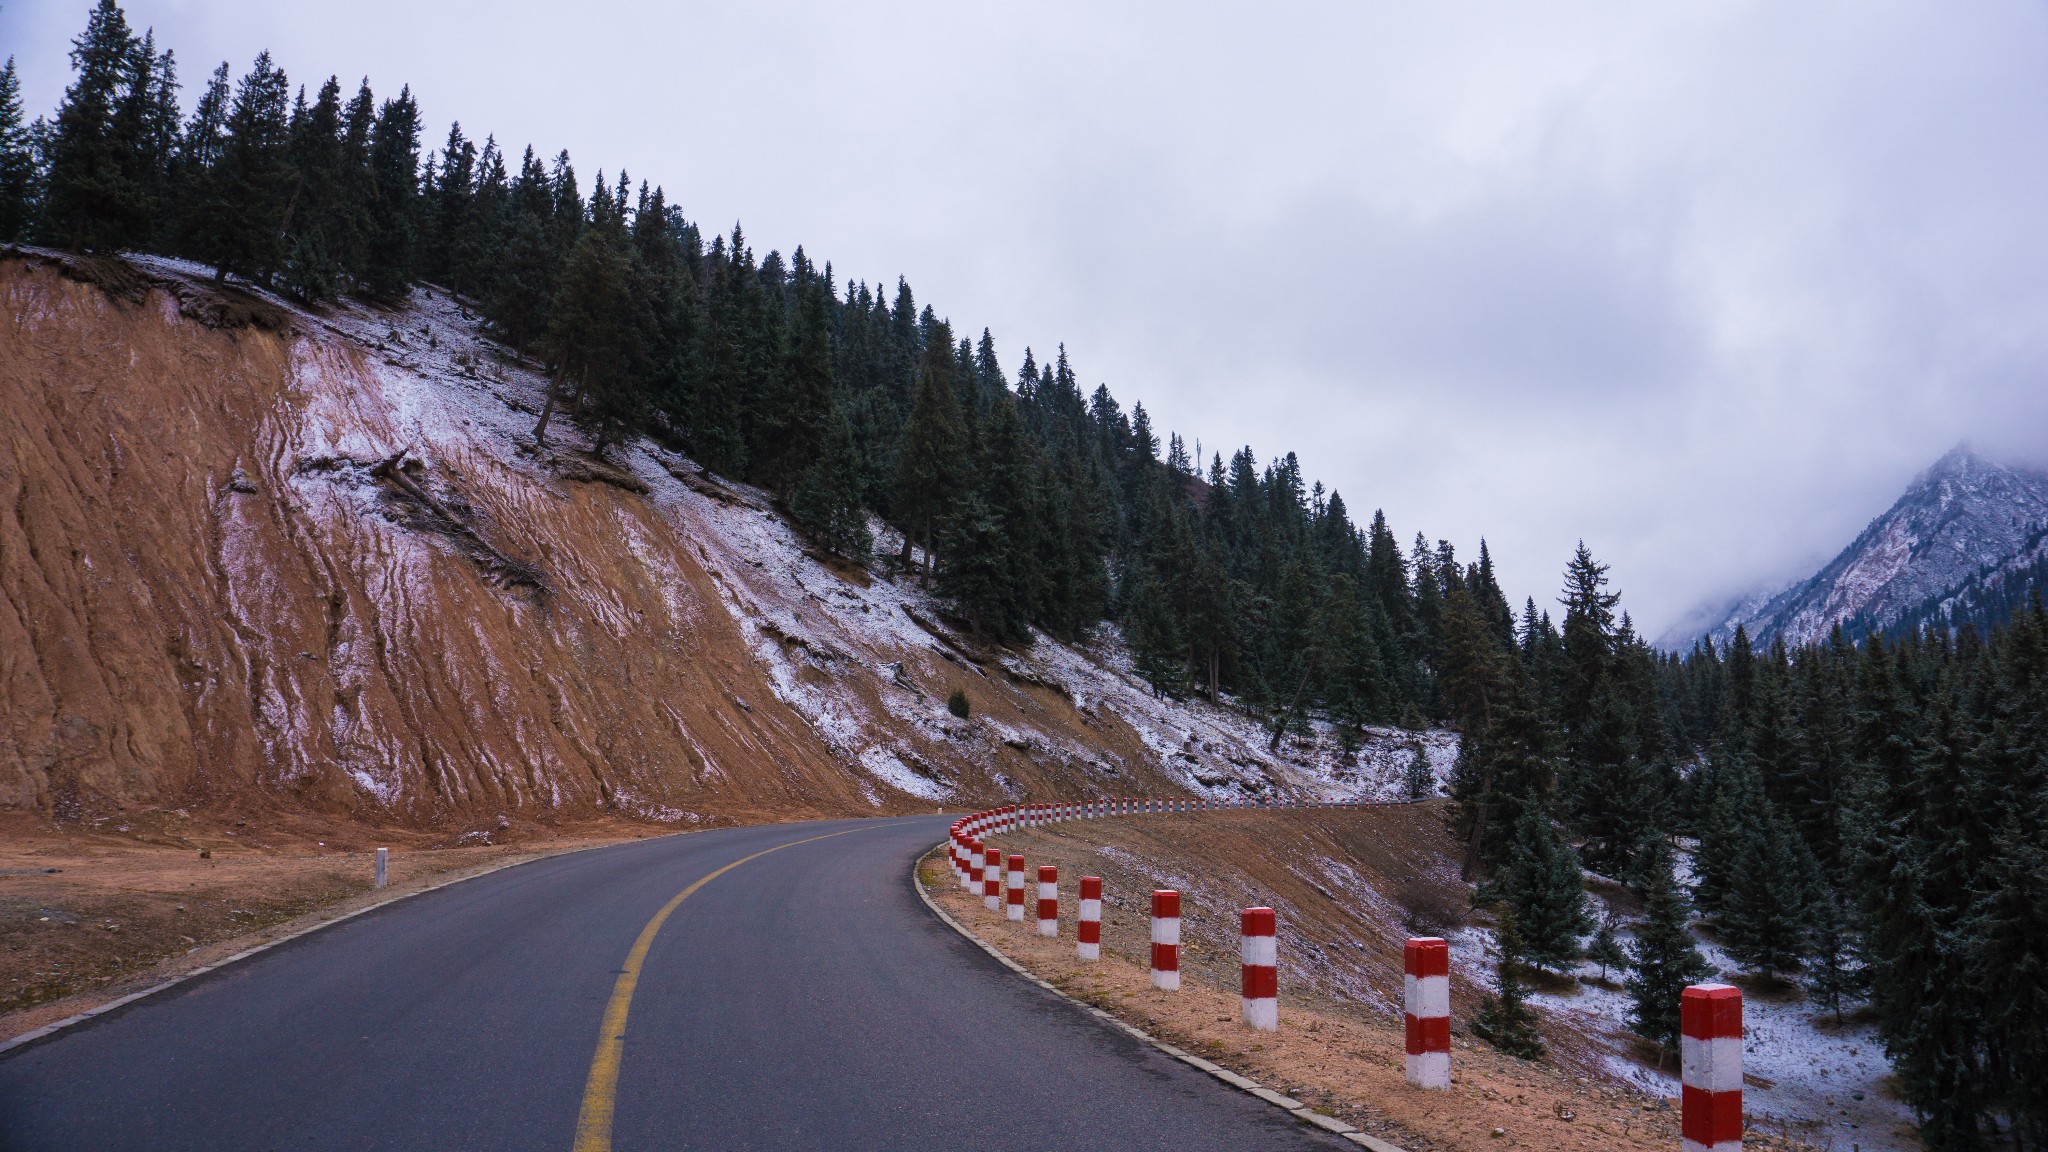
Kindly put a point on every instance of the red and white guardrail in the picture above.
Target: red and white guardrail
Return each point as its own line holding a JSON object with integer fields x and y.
{"x": 1710, "y": 1014}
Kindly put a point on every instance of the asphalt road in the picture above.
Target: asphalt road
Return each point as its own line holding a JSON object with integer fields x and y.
{"x": 805, "y": 999}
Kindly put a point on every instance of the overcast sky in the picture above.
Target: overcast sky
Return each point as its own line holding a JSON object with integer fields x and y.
{"x": 1704, "y": 285}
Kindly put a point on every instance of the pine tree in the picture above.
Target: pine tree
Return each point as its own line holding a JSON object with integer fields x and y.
{"x": 91, "y": 199}
{"x": 1767, "y": 920}
{"x": 1663, "y": 960}
{"x": 388, "y": 253}
{"x": 1503, "y": 1018}
{"x": 927, "y": 476}
{"x": 17, "y": 160}
{"x": 827, "y": 501}
{"x": 1542, "y": 889}
{"x": 1588, "y": 642}
{"x": 1158, "y": 648}
{"x": 1418, "y": 782}
{"x": 246, "y": 193}
{"x": 316, "y": 219}
{"x": 1836, "y": 972}
{"x": 1605, "y": 949}
{"x": 597, "y": 338}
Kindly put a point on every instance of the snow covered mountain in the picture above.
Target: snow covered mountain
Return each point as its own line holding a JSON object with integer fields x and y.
{"x": 1965, "y": 543}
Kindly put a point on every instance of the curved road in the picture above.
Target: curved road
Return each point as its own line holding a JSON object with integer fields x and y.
{"x": 804, "y": 999}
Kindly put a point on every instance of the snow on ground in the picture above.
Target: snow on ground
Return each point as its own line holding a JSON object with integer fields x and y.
{"x": 1804, "y": 1076}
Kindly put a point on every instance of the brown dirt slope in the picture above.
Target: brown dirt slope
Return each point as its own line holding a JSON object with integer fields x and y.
{"x": 208, "y": 599}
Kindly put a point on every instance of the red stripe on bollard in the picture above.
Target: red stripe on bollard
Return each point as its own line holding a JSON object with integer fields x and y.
{"x": 1016, "y": 894}
{"x": 1710, "y": 1062}
{"x": 1088, "y": 920}
{"x": 1259, "y": 949}
{"x": 1426, "y": 995}
{"x": 1166, "y": 940}
{"x": 1048, "y": 900}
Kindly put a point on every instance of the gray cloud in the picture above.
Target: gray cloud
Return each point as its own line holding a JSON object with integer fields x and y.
{"x": 1704, "y": 285}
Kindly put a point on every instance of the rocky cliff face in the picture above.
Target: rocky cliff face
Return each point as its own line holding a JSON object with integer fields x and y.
{"x": 1963, "y": 524}
{"x": 259, "y": 557}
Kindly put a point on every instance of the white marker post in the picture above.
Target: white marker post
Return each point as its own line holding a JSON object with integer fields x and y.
{"x": 383, "y": 866}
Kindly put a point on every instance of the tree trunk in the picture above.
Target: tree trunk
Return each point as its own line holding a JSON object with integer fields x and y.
{"x": 540, "y": 430}
{"x": 1478, "y": 823}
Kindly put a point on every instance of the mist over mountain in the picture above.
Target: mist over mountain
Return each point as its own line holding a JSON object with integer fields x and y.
{"x": 1965, "y": 544}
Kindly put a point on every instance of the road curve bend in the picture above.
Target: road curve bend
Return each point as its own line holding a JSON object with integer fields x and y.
{"x": 802, "y": 998}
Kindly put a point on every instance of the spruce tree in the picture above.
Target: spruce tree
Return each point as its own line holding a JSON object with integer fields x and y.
{"x": 1503, "y": 1018}
{"x": 388, "y": 253}
{"x": 1158, "y": 648}
{"x": 1605, "y": 948}
{"x": 90, "y": 198}
{"x": 927, "y": 463}
{"x": 597, "y": 338}
{"x": 316, "y": 217}
{"x": 827, "y": 501}
{"x": 1418, "y": 782}
{"x": 1663, "y": 959}
{"x": 1542, "y": 889}
{"x": 245, "y": 194}
{"x": 518, "y": 300}
{"x": 1836, "y": 972}
{"x": 1767, "y": 920}
{"x": 17, "y": 160}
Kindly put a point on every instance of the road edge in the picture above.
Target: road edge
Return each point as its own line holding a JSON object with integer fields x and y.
{"x": 13, "y": 1044}
{"x": 1253, "y": 1088}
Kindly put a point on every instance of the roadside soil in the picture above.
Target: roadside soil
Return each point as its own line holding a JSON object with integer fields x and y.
{"x": 89, "y": 914}
{"x": 1340, "y": 1044}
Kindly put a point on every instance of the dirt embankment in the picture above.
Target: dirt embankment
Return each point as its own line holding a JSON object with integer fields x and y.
{"x": 87, "y": 915}
{"x": 208, "y": 598}
{"x": 1348, "y": 887}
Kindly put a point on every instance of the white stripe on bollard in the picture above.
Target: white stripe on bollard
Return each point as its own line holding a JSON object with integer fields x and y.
{"x": 1048, "y": 900}
{"x": 1426, "y": 994}
{"x": 1016, "y": 893}
{"x": 1166, "y": 940}
{"x": 1260, "y": 951}
{"x": 1710, "y": 1059}
{"x": 1088, "y": 920}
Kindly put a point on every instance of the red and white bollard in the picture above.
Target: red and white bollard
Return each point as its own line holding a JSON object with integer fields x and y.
{"x": 1166, "y": 940}
{"x": 1426, "y": 992}
{"x": 1016, "y": 894}
{"x": 1088, "y": 921}
{"x": 992, "y": 878}
{"x": 1260, "y": 951}
{"x": 1048, "y": 900}
{"x": 1710, "y": 1063}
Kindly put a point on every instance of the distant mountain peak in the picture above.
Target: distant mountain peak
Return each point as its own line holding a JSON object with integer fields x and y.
{"x": 1967, "y": 535}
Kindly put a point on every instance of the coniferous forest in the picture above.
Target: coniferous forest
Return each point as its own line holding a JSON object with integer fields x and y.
{"x": 1867, "y": 820}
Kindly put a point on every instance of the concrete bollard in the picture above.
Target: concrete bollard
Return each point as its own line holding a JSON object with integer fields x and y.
{"x": 1260, "y": 951}
{"x": 1016, "y": 893}
{"x": 1088, "y": 920}
{"x": 1048, "y": 900}
{"x": 1426, "y": 993}
{"x": 992, "y": 878}
{"x": 1710, "y": 1062}
{"x": 383, "y": 867}
{"x": 1166, "y": 940}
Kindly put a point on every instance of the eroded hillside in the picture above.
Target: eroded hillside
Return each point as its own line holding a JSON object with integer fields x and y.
{"x": 255, "y": 557}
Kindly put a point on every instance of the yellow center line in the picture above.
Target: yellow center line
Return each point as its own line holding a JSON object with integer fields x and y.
{"x": 600, "y": 1092}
